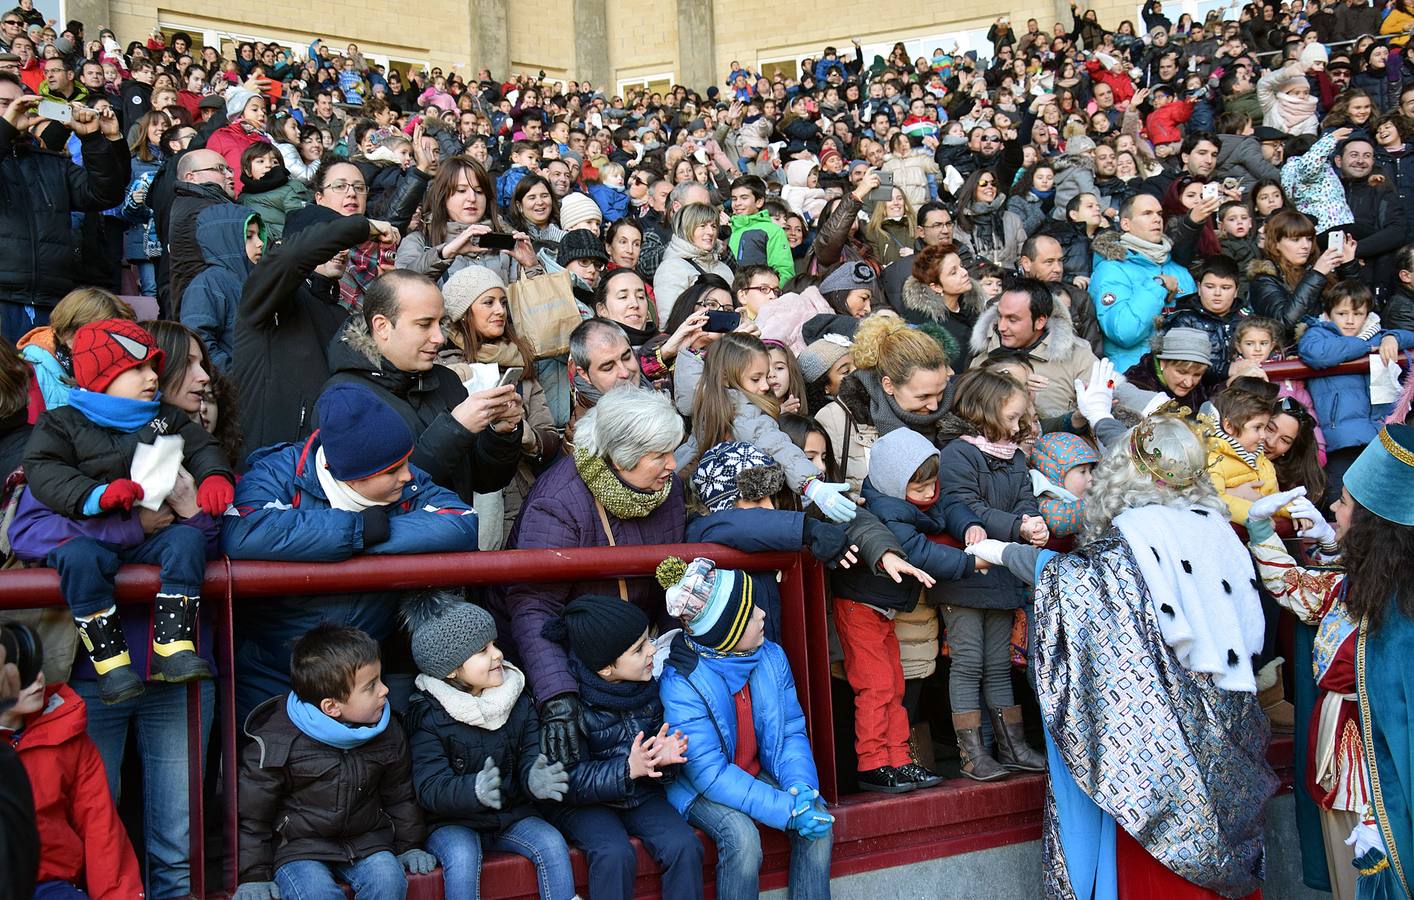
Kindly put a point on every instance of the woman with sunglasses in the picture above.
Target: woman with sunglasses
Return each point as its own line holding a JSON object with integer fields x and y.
{"x": 984, "y": 225}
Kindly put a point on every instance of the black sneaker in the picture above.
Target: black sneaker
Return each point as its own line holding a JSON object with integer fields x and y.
{"x": 885, "y": 780}
{"x": 919, "y": 775}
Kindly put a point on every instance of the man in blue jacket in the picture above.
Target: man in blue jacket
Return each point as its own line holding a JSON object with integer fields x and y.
{"x": 1135, "y": 279}
{"x": 347, "y": 489}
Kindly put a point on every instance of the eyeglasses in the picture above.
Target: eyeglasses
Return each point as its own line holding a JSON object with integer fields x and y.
{"x": 946, "y": 223}
{"x": 765, "y": 289}
{"x": 712, "y": 305}
{"x": 222, "y": 168}
{"x": 345, "y": 187}
{"x": 982, "y": 184}
{"x": 991, "y": 139}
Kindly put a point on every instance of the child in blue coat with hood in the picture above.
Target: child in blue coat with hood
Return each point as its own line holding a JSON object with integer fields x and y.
{"x": 1347, "y": 330}
{"x": 731, "y": 693}
{"x": 232, "y": 240}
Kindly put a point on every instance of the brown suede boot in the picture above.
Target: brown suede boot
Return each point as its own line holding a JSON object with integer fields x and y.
{"x": 1012, "y": 750}
{"x": 1271, "y": 696}
{"x": 977, "y": 763}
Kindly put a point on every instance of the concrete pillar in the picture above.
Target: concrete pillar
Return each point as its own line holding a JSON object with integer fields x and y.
{"x": 490, "y": 40}
{"x": 94, "y": 15}
{"x": 591, "y": 44}
{"x": 697, "y": 44}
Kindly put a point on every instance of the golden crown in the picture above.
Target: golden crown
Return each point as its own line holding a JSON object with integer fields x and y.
{"x": 1159, "y": 448}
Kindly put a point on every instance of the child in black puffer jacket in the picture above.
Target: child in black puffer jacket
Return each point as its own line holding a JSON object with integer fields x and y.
{"x": 615, "y": 789}
{"x": 476, "y": 760}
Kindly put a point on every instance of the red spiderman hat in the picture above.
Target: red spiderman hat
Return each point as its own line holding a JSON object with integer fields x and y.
{"x": 106, "y": 349}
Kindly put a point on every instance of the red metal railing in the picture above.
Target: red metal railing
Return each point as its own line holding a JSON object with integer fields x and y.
{"x": 1281, "y": 369}
{"x": 803, "y": 627}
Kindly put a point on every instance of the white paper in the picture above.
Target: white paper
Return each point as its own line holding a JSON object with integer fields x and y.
{"x": 1384, "y": 380}
{"x": 155, "y": 467}
{"x": 484, "y": 376}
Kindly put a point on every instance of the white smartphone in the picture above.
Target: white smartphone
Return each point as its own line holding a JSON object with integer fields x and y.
{"x": 1337, "y": 241}
{"x": 55, "y": 111}
{"x": 1210, "y": 190}
{"x": 511, "y": 376}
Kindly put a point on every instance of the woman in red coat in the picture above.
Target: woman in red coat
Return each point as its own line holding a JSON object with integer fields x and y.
{"x": 84, "y": 850}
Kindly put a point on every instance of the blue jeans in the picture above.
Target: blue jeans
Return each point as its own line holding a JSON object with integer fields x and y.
{"x": 739, "y": 853}
{"x": 87, "y": 567}
{"x": 375, "y": 877}
{"x": 146, "y": 278}
{"x": 160, "y": 716}
{"x": 602, "y": 833}
{"x": 17, "y": 318}
{"x": 459, "y": 850}
{"x": 57, "y": 890}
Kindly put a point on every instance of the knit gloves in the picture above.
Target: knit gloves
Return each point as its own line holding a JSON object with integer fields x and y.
{"x": 120, "y": 494}
{"x": 215, "y": 495}
{"x": 547, "y": 780}
{"x": 488, "y": 785}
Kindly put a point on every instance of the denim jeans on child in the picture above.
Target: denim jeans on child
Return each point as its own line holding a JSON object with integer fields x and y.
{"x": 602, "y": 832}
{"x": 160, "y": 717}
{"x": 87, "y": 567}
{"x": 739, "y": 852}
{"x": 459, "y": 850}
{"x": 378, "y": 876}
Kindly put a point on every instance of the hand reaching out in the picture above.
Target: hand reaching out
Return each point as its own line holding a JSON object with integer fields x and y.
{"x": 973, "y": 535}
{"x": 896, "y": 567}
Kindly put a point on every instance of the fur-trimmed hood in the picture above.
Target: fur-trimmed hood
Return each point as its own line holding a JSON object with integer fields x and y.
{"x": 1262, "y": 266}
{"x": 920, "y": 298}
{"x": 1058, "y": 345}
{"x": 354, "y": 350}
{"x": 1067, "y": 161}
{"x": 1106, "y": 245}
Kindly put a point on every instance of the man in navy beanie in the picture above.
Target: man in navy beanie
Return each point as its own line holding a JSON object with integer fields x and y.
{"x": 345, "y": 490}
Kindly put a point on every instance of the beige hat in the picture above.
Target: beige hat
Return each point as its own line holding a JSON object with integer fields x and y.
{"x": 465, "y": 285}
{"x": 576, "y": 209}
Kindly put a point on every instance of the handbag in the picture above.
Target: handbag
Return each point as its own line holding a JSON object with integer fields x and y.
{"x": 545, "y": 312}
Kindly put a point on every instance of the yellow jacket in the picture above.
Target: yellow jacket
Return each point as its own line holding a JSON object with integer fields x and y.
{"x": 1228, "y": 470}
{"x": 1397, "y": 22}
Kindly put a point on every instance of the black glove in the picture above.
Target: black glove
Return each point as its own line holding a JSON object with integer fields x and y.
{"x": 375, "y": 526}
{"x": 827, "y": 541}
{"x": 559, "y": 729}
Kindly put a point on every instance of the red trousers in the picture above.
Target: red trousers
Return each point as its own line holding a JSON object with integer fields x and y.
{"x": 1141, "y": 877}
{"x": 873, "y": 669}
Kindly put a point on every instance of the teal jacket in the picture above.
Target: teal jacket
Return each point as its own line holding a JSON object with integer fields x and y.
{"x": 1128, "y": 296}
{"x": 757, "y": 241}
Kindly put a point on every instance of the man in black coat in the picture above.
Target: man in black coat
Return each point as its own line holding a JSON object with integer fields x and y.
{"x": 38, "y": 191}
{"x": 288, "y": 313}
{"x": 1378, "y": 228}
{"x": 468, "y": 443}
{"x": 204, "y": 179}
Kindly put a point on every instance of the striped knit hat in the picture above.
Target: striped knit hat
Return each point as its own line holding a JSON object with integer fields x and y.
{"x": 715, "y": 605}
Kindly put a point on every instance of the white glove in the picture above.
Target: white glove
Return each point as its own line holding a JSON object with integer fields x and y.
{"x": 830, "y": 497}
{"x": 1096, "y": 399}
{"x": 1266, "y": 507}
{"x": 989, "y": 550}
{"x": 1319, "y": 530}
{"x": 1364, "y": 838}
{"x": 1159, "y": 400}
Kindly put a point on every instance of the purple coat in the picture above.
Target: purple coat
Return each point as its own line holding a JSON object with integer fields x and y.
{"x": 558, "y": 513}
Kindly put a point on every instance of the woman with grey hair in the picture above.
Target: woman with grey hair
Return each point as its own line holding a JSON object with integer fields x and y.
{"x": 1142, "y": 649}
{"x": 691, "y": 252}
{"x": 618, "y": 487}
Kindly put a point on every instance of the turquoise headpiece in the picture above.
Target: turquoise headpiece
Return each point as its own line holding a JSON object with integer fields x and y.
{"x": 1382, "y": 478}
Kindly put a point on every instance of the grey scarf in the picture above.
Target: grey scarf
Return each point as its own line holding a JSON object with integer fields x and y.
{"x": 887, "y": 415}
{"x": 1158, "y": 253}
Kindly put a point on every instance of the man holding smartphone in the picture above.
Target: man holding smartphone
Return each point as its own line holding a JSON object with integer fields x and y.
{"x": 37, "y": 259}
{"x": 467, "y": 443}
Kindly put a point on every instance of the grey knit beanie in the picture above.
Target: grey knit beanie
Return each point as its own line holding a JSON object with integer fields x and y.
{"x": 817, "y": 358}
{"x": 446, "y": 631}
{"x": 895, "y": 457}
{"x": 465, "y": 285}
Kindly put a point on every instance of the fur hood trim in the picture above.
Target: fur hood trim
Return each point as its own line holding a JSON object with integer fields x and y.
{"x": 1059, "y": 344}
{"x": 355, "y": 336}
{"x": 1262, "y": 266}
{"x": 1068, "y": 161}
{"x": 1106, "y": 245}
{"x": 920, "y": 298}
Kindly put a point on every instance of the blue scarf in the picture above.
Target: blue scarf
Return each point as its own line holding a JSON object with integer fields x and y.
{"x": 121, "y": 413}
{"x": 733, "y": 668}
{"x": 316, "y": 726}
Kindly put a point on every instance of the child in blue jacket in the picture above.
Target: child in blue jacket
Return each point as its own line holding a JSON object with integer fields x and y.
{"x": 616, "y": 790}
{"x": 609, "y": 193}
{"x": 748, "y": 758}
{"x": 1347, "y": 330}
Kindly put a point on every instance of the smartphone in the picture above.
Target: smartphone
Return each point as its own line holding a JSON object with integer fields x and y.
{"x": 511, "y": 376}
{"x": 55, "y": 111}
{"x": 1336, "y": 241}
{"x": 720, "y": 321}
{"x": 1210, "y": 190}
{"x": 885, "y": 191}
{"x": 1232, "y": 184}
{"x": 492, "y": 240}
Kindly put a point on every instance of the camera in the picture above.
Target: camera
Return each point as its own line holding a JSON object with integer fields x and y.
{"x": 22, "y": 648}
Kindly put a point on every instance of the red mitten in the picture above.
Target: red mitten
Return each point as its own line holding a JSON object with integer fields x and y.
{"x": 215, "y": 494}
{"x": 121, "y": 494}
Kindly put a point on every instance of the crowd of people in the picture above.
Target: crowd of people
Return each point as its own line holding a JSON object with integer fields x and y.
{"x": 920, "y": 318}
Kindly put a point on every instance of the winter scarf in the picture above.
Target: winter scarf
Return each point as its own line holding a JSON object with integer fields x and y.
{"x": 338, "y": 493}
{"x": 1158, "y": 253}
{"x": 733, "y": 668}
{"x": 1002, "y": 450}
{"x": 501, "y": 353}
{"x": 120, "y": 413}
{"x": 619, "y": 696}
{"x": 1242, "y": 452}
{"x": 987, "y": 225}
{"x": 276, "y": 177}
{"x": 315, "y": 725}
{"x": 622, "y": 501}
{"x": 489, "y": 711}
{"x": 887, "y": 415}
{"x": 590, "y": 395}
{"x": 1295, "y": 110}
{"x": 637, "y": 337}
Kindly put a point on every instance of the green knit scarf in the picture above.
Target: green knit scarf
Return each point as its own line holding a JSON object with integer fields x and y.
{"x": 621, "y": 501}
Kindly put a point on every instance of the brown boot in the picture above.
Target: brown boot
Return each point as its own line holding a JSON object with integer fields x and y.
{"x": 1012, "y": 750}
{"x": 1271, "y": 696}
{"x": 977, "y": 763}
